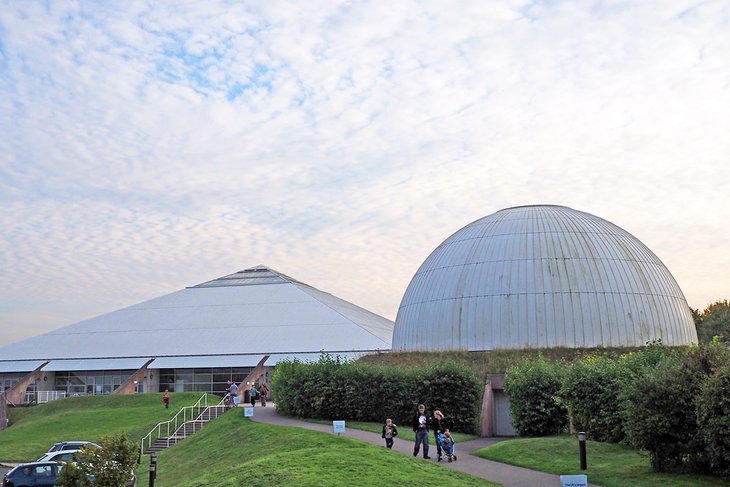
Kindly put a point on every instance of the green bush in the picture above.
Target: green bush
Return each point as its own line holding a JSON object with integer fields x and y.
{"x": 591, "y": 390}
{"x": 636, "y": 363}
{"x": 660, "y": 415}
{"x": 533, "y": 387}
{"x": 333, "y": 389}
{"x": 713, "y": 418}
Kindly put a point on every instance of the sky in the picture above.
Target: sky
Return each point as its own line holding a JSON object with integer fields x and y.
{"x": 150, "y": 146}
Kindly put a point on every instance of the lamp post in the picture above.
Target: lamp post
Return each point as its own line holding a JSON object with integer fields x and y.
{"x": 582, "y": 448}
{"x": 153, "y": 468}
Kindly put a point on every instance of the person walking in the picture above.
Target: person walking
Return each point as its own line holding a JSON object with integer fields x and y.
{"x": 263, "y": 392}
{"x": 439, "y": 425}
{"x": 233, "y": 393}
{"x": 166, "y": 398}
{"x": 390, "y": 431}
{"x": 420, "y": 427}
{"x": 253, "y": 393}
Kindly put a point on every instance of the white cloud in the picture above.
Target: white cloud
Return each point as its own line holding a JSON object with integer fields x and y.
{"x": 147, "y": 148}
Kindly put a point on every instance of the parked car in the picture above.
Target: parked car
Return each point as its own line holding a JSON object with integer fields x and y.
{"x": 71, "y": 445}
{"x": 60, "y": 456}
{"x": 32, "y": 474}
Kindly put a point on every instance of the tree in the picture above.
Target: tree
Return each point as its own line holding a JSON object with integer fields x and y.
{"x": 112, "y": 465}
{"x": 714, "y": 321}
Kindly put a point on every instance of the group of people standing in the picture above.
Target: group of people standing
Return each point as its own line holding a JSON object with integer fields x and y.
{"x": 422, "y": 424}
{"x": 253, "y": 392}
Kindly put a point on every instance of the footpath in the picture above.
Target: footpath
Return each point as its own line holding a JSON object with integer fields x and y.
{"x": 500, "y": 473}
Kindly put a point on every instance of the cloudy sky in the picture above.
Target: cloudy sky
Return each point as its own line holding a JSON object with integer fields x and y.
{"x": 149, "y": 146}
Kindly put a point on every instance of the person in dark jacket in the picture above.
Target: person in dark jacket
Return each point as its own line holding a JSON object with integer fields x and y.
{"x": 390, "y": 431}
{"x": 420, "y": 427}
{"x": 439, "y": 425}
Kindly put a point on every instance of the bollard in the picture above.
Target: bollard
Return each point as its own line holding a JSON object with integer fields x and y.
{"x": 582, "y": 447}
{"x": 153, "y": 468}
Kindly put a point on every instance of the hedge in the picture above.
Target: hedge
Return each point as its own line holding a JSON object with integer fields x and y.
{"x": 335, "y": 389}
{"x": 591, "y": 390}
{"x": 713, "y": 418}
{"x": 660, "y": 416}
{"x": 533, "y": 387}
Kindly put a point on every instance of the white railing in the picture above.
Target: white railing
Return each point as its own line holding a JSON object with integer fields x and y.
{"x": 48, "y": 396}
{"x": 196, "y": 424}
{"x": 164, "y": 429}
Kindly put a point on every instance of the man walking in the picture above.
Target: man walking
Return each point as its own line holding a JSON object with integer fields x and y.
{"x": 233, "y": 391}
{"x": 420, "y": 427}
{"x": 263, "y": 392}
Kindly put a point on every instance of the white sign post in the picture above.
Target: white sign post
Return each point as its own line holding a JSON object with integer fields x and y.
{"x": 573, "y": 481}
{"x": 248, "y": 412}
{"x": 338, "y": 427}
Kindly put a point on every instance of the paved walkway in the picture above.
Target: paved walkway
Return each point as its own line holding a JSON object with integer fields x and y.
{"x": 500, "y": 473}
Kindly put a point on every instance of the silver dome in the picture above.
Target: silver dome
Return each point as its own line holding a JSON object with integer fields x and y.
{"x": 538, "y": 277}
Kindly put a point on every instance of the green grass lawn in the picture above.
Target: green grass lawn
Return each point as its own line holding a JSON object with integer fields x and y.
{"x": 404, "y": 433}
{"x": 609, "y": 464}
{"x": 234, "y": 451}
{"x": 35, "y": 429}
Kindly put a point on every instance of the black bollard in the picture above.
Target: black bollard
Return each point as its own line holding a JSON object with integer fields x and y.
{"x": 153, "y": 468}
{"x": 582, "y": 447}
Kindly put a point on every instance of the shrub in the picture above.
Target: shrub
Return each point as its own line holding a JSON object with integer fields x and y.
{"x": 713, "y": 418}
{"x": 112, "y": 465}
{"x": 660, "y": 415}
{"x": 591, "y": 390}
{"x": 72, "y": 475}
{"x": 636, "y": 363}
{"x": 533, "y": 387}
{"x": 333, "y": 389}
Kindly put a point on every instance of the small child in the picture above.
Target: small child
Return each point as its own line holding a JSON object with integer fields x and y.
{"x": 390, "y": 431}
{"x": 447, "y": 445}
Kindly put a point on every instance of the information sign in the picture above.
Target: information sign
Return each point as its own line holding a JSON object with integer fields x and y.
{"x": 573, "y": 481}
{"x": 338, "y": 427}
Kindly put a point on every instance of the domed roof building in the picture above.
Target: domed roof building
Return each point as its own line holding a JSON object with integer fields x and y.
{"x": 537, "y": 277}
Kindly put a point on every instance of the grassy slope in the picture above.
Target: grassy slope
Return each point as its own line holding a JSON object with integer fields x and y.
{"x": 234, "y": 451}
{"x": 483, "y": 363}
{"x": 609, "y": 465}
{"x": 34, "y": 430}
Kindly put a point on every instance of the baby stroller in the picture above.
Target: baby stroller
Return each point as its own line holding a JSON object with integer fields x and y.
{"x": 446, "y": 442}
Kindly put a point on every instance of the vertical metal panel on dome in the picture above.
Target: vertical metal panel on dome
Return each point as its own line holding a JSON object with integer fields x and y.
{"x": 541, "y": 276}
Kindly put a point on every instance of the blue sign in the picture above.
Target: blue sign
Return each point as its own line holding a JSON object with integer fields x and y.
{"x": 573, "y": 481}
{"x": 338, "y": 427}
{"x": 248, "y": 412}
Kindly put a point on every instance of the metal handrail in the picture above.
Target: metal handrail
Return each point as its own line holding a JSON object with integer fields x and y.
{"x": 148, "y": 440}
{"x": 196, "y": 421}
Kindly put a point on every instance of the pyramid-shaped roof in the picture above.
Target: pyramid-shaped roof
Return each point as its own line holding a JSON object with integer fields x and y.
{"x": 254, "y": 311}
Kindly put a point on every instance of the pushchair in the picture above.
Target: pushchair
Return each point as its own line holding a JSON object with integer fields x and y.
{"x": 447, "y": 446}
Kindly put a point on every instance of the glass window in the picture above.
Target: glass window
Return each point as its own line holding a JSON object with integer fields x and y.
{"x": 43, "y": 471}
{"x": 201, "y": 378}
{"x": 76, "y": 378}
{"x": 185, "y": 375}
{"x": 221, "y": 378}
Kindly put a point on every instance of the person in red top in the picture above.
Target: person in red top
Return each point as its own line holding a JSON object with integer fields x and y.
{"x": 166, "y": 398}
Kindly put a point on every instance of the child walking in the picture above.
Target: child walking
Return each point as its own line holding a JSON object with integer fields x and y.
{"x": 390, "y": 431}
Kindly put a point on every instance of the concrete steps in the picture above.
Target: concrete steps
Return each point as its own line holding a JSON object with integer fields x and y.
{"x": 188, "y": 428}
